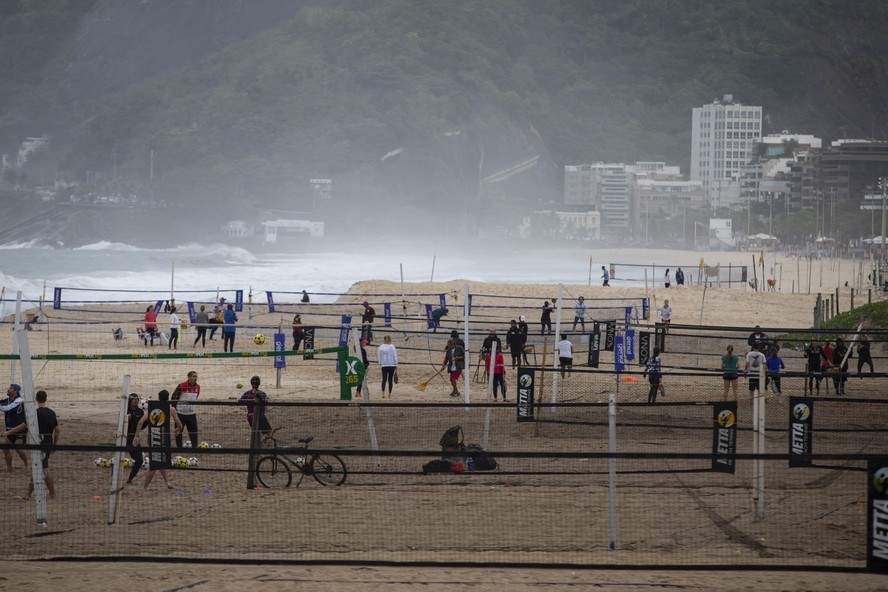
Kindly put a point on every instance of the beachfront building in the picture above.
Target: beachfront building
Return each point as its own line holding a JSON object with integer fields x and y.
{"x": 604, "y": 188}
{"x": 724, "y": 134}
{"x": 848, "y": 167}
{"x": 570, "y": 223}
{"x": 668, "y": 197}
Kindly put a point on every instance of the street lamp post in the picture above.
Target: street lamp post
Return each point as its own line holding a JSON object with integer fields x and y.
{"x": 883, "y": 185}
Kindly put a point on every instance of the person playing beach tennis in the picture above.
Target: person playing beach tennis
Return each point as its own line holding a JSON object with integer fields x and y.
{"x": 454, "y": 362}
{"x": 255, "y": 401}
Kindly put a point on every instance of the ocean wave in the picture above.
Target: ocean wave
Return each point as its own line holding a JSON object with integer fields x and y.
{"x": 35, "y": 243}
{"x": 217, "y": 251}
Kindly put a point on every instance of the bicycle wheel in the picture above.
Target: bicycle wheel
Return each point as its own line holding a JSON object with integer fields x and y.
{"x": 328, "y": 469}
{"x": 273, "y": 472}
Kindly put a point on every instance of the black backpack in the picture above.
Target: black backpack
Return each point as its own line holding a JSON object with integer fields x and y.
{"x": 479, "y": 459}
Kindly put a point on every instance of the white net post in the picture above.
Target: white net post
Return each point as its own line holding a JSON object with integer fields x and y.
{"x": 612, "y": 470}
{"x": 120, "y": 442}
{"x": 365, "y": 396}
{"x": 555, "y": 352}
{"x": 15, "y": 327}
{"x": 35, "y": 455}
{"x": 467, "y": 362}
{"x": 760, "y": 515}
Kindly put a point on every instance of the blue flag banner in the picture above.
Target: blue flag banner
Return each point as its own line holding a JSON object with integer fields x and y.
{"x": 158, "y": 306}
{"x": 645, "y": 309}
{"x": 270, "y": 300}
{"x": 239, "y": 300}
{"x": 470, "y": 305}
{"x": 619, "y": 354}
{"x": 628, "y": 316}
{"x": 630, "y": 344}
{"x": 191, "y": 314}
{"x": 442, "y": 300}
{"x": 344, "y": 329}
{"x": 280, "y": 344}
{"x": 429, "y": 319}
{"x": 57, "y": 298}
{"x": 387, "y": 313}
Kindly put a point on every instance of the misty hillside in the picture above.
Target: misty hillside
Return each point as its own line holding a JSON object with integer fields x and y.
{"x": 420, "y": 111}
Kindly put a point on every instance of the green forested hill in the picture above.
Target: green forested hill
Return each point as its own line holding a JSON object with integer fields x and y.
{"x": 243, "y": 102}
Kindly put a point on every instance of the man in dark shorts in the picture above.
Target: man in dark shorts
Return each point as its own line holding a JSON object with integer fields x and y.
{"x": 48, "y": 428}
{"x": 255, "y": 400}
{"x": 14, "y": 409}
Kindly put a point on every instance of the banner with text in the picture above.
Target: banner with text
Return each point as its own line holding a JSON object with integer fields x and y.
{"x": 526, "y": 387}
{"x": 724, "y": 436}
{"x": 159, "y": 435}
{"x": 877, "y": 515}
{"x": 801, "y": 423}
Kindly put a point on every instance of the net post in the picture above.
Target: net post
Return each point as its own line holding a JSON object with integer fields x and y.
{"x": 467, "y": 350}
{"x": 119, "y": 441}
{"x": 33, "y": 437}
{"x": 17, "y": 323}
{"x": 365, "y": 396}
{"x": 557, "y": 337}
{"x": 760, "y": 515}
{"x": 612, "y": 470}
{"x": 254, "y": 445}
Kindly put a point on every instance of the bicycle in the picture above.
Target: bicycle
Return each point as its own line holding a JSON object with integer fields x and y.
{"x": 275, "y": 470}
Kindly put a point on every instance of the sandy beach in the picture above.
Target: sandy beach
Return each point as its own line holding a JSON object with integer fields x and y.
{"x": 87, "y": 402}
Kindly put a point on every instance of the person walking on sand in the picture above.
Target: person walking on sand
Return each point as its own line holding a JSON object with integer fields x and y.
{"x": 229, "y": 318}
{"x": 605, "y": 276}
{"x": 666, "y": 315}
{"x": 840, "y": 363}
{"x": 387, "y": 356}
{"x": 755, "y": 360}
{"x": 729, "y": 363}
{"x": 580, "y": 314}
{"x": 515, "y": 342}
{"x": 454, "y": 362}
{"x": 48, "y": 432}
{"x": 864, "y": 357}
{"x": 184, "y": 397}
{"x": 814, "y": 355}
{"x": 174, "y": 329}
{"x": 565, "y": 355}
{"x": 546, "y": 318}
{"x": 163, "y": 395}
{"x": 772, "y": 377}
{"x": 653, "y": 372}
{"x": 150, "y": 325}
{"x": 679, "y": 277}
{"x": 256, "y": 400}
{"x": 14, "y": 410}
{"x": 298, "y": 332}
{"x": 666, "y": 281}
{"x": 201, "y": 321}
{"x": 499, "y": 371}
{"x": 367, "y": 322}
{"x": 218, "y": 317}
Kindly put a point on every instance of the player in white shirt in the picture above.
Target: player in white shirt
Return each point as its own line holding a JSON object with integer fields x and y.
{"x": 565, "y": 354}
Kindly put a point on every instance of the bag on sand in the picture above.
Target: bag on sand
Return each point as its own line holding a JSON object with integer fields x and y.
{"x": 479, "y": 459}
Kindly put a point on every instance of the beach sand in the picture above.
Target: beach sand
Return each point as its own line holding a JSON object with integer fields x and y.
{"x": 88, "y": 402}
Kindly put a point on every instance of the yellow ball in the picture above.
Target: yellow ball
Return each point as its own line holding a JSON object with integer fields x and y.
{"x": 239, "y": 385}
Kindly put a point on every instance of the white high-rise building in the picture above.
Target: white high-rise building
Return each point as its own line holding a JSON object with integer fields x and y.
{"x": 723, "y": 138}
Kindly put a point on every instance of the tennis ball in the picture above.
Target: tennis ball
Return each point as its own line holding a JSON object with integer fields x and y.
{"x": 239, "y": 385}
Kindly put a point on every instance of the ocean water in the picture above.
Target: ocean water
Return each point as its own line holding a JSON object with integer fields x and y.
{"x": 106, "y": 271}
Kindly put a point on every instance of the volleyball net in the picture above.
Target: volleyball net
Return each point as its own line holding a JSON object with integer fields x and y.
{"x": 597, "y": 477}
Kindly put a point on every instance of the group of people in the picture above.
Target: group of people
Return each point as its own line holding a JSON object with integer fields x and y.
{"x": 820, "y": 361}
{"x": 16, "y": 432}
{"x": 223, "y": 316}
{"x": 183, "y": 416}
{"x": 825, "y": 359}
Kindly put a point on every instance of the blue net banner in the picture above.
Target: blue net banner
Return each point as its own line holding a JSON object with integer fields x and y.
{"x": 280, "y": 344}
{"x": 191, "y": 313}
{"x": 630, "y": 344}
{"x": 619, "y": 354}
{"x": 270, "y": 300}
{"x": 239, "y": 300}
{"x": 57, "y": 298}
